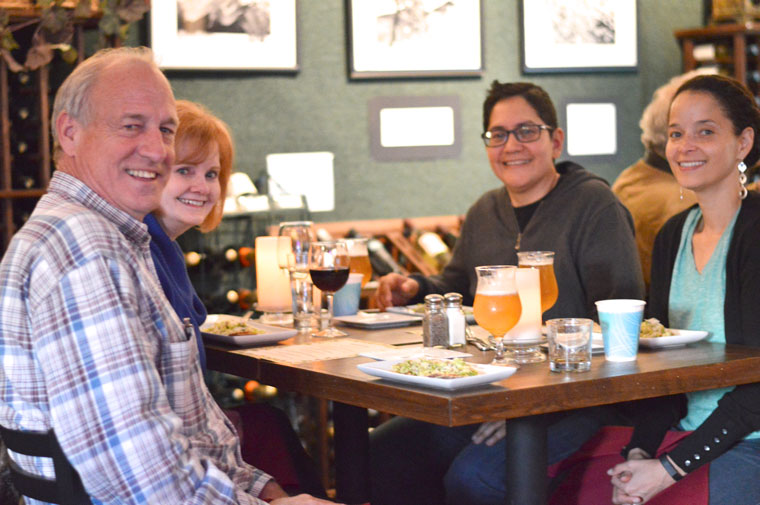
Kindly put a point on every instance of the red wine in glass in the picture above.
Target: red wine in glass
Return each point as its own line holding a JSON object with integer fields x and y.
{"x": 329, "y": 279}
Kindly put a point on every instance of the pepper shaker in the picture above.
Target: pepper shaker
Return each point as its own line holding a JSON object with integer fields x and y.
{"x": 434, "y": 324}
{"x": 455, "y": 319}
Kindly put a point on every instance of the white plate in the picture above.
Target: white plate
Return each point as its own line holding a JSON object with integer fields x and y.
{"x": 411, "y": 352}
{"x": 377, "y": 320}
{"x": 414, "y": 310}
{"x": 489, "y": 374}
{"x": 681, "y": 337}
{"x": 273, "y": 333}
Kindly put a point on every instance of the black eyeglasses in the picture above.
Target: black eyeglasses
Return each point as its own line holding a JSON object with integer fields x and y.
{"x": 523, "y": 133}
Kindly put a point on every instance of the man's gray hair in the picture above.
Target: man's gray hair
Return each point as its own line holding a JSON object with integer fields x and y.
{"x": 73, "y": 97}
{"x": 654, "y": 119}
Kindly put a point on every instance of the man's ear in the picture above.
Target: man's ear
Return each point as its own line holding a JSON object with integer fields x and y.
{"x": 67, "y": 129}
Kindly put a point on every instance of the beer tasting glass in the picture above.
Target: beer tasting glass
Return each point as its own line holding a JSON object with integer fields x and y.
{"x": 293, "y": 256}
{"x": 359, "y": 254}
{"x": 328, "y": 266}
{"x": 544, "y": 262}
{"x": 497, "y": 305}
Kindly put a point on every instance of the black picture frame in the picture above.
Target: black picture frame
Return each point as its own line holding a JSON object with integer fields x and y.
{"x": 573, "y": 36}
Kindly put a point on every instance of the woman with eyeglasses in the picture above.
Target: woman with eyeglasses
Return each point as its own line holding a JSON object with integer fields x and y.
{"x": 541, "y": 206}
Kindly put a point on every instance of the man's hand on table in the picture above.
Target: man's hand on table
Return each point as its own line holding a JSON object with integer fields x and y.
{"x": 275, "y": 495}
{"x": 490, "y": 432}
{"x": 301, "y": 499}
{"x": 394, "y": 290}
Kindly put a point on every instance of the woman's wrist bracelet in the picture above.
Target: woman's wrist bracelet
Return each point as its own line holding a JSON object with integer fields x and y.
{"x": 670, "y": 468}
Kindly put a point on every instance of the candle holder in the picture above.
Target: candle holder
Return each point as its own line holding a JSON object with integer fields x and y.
{"x": 272, "y": 284}
{"x": 522, "y": 343}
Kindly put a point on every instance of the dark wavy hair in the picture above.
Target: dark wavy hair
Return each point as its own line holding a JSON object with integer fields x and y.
{"x": 737, "y": 103}
{"x": 534, "y": 95}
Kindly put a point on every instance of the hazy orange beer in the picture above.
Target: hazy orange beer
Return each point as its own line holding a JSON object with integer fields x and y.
{"x": 544, "y": 262}
{"x": 497, "y": 312}
{"x": 359, "y": 258}
{"x": 497, "y": 306}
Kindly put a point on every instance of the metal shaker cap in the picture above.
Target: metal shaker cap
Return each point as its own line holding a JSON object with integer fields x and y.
{"x": 433, "y": 301}
{"x": 453, "y": 299}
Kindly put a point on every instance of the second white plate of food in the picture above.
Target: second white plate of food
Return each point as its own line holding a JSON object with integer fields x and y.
{"x": 485, "y": 375}
{"x": 377, "y": 320}
{"x": 418, "y": 310}
{"x": 680, "y": 337}
{"x": 229, "y": 330}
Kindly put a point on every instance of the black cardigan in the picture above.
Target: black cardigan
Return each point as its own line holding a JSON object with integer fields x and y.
{"x": 738, "y": 412}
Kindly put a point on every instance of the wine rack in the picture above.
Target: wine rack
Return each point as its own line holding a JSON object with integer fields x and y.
{"x": 25, "y": 141}
{"x": 731, "y": 49}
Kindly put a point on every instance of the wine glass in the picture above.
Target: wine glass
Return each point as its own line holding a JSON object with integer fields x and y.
{"x": 293, "y": 256}
{"x": 497, "y": 305}
{"x": 359, "y": 256}
{"x": 328, "y": 266}
{"x": 544, "y": 262}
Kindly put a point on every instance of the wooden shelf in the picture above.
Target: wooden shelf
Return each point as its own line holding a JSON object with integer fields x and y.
{"x": 738, "y": 37}
{"x": 21, "y": 193}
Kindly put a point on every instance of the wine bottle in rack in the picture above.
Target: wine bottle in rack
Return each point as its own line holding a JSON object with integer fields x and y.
{"x": 381, "y": 260}
{"x": 324, "y": 235}
{"x": 224, "y": 303}
{"x": 247, "y": 256}
{"x": 227, "y": 258}
{"x": 193, "y": 259}
{"x": 246, "y": 298}
{"x": 434, "y": 250}
{"x": 20, "y": 179}
{"x": 449, "y": 238}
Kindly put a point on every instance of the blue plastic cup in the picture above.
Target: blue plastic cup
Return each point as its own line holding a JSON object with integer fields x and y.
{"x": 621, "y": 323}
{"x": 346, "y": 300}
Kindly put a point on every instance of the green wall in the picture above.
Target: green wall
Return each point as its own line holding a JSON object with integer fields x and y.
{"x": 320, "y": 109}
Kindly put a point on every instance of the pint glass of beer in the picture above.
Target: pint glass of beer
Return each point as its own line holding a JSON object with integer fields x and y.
{"x": 543, "y": 261}
{"x": 359, "y": 254}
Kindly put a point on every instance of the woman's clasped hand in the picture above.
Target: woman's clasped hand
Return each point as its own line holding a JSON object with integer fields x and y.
{"x": 638, "y": 480}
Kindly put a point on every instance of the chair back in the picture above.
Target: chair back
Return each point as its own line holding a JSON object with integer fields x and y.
{"x": 65, "y": 489}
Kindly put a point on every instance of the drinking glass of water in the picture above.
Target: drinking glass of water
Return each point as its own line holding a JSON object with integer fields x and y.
{"x": 569, "y": 344}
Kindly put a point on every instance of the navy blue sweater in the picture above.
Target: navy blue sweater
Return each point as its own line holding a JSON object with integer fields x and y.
{"x": 170, "y": 265}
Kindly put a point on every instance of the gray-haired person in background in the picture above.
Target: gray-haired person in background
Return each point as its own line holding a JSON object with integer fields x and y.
{"x": 647, "y": 188}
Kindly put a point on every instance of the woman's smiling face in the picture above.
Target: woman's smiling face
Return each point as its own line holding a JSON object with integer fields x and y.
{"x": 190, "y": 193}
{"x": 703, "y": 149}
{"x": 522, "y": 166}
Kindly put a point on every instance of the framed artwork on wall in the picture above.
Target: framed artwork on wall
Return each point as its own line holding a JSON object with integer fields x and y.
{"x": 410, "y": 128}
{"x": 229, "y": 35}
{"x": 592, "y": 128}
{"x": 418, "y": 38}
{"x": 578, "y": 35}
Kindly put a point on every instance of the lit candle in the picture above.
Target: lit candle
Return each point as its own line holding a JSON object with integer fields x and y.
{"x": 529, "y": 290}
{"x": 272, "y": 282}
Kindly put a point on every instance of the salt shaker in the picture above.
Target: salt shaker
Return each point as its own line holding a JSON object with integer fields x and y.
{"x": 455, "y": 318}
{"x": 434, "y": 325}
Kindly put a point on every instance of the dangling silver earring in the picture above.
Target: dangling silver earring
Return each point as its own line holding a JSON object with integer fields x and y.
{"x": 680, "y": 192}
{"x": 742, "y": 179}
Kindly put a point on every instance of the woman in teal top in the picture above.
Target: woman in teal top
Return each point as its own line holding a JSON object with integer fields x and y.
{"x": 706, "y": 276}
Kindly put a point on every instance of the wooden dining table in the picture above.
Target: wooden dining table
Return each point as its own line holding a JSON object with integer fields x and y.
{"x": 522, "y": 399}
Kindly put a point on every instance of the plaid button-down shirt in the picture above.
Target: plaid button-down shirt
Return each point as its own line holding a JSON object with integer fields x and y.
{"x": 90, "y": 346}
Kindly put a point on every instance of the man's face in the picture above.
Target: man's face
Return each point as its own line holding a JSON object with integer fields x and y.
{"x": 125, "y": 150}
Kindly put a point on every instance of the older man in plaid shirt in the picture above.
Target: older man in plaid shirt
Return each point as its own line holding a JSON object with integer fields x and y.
{"x": 89, "y": 345}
